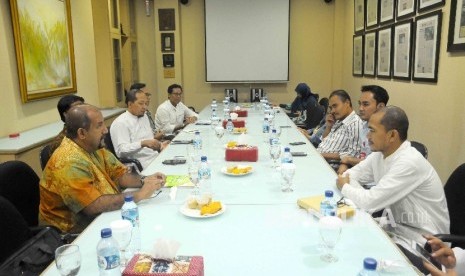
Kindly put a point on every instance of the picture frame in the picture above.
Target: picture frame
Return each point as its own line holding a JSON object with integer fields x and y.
{"x": 427, "y": 41}
{"x": 167, "y": 42}
{"x": 383, "y": 49}
{"x": 357, "y": 56}
{"x": 166, "y": 20}
{"x": 47, "y": 69}
{"x": 369, "y": 57}
{"x": 359, "y": 16}
{"x": 456, "y": 40}
{"x": 426, "y": 5}
{"x": 372, "y": 13}
{"x": 405, "y": 9}
{"x": 402, "y": 50}
{"x": 386, "y": 11}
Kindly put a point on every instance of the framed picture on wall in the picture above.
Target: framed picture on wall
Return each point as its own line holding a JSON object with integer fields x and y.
{"x": 359, "y": 16}
{"x": 427, "y": 39}
{"x": 166, "y": 20}
{"x": 456, "y": 41}
{"x": 167, "y": 42}
{"x": 372, "y": 11}
{"x": 369, "y": 61}
{"x": 384, "y": 58}
{"x": 425, "y": 5}
{"x": 405, "y": 8}
{"x": 402, "y": 50}
{"x": 386, "y": 11}
{"x": 357, "y": 56}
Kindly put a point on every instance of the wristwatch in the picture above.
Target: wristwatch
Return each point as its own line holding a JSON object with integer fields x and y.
{"x": 142, "y": 179}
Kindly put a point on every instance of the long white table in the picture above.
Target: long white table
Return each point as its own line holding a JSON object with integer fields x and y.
{"x": 262, "y": 231}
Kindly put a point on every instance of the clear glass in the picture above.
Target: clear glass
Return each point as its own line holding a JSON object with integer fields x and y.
{"x": 122, "y": 232}
{"x": 330, "y": 228}
{"x": 219, "y": 132}
{"x": 193, "y": 153}
{"x": 68, "y": 259}
{"x": 275, "y": 153}
{"x": 193, "y": 171}
{"x": 287, "y": 173}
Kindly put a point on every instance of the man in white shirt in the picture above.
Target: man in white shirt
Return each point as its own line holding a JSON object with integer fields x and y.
{"x": 342, "y": 134}
{"x": 373, "y": 98}
{"x": 172, "y": 115}
{"x": 131, "y": 133}
{"x": 406, "y": 183}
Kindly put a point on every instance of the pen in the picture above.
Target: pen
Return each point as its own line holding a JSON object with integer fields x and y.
{"x": 157, "y": 193}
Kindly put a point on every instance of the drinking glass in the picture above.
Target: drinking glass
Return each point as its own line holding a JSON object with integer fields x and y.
{"x": 122, "y": 232}
{"x": 193, "y": 153}
{"x": 193, "y": 170}
{"x": 330, "y": 228}
{"x": 219, "y": 132}
{"x": 287, "y": 173}
{"x": 68, "y": 259}
{"x": 275, "y": 152}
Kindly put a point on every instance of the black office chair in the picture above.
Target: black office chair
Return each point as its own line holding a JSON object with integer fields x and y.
{"x": 14, "y": 230}
{"x": 44, "y": 155}
{"x": 111, "y": 148}
{"x": 20, "y": 185}
{"x": 420, "y": 147}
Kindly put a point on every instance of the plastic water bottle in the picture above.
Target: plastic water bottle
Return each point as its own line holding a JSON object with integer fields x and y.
{"x": 287, "y": 156}
{"x": 197, "y": 142}
{"x": 108, "y": 254}
{"x": 266, "y": 125}
{"x": 226, "y": 115}
{"x": 130, "y": 212}
{"x": 229, "y": 126}
{"x": 369, "y": 267}
{"x": 205, "y": 176}
{"x": 274, "y": 137}
{"x": 328, "y": 206}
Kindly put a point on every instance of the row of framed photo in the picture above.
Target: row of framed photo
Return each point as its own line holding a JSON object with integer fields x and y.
{"x": 372, "y": 13}
{"x": 405, "y": 50}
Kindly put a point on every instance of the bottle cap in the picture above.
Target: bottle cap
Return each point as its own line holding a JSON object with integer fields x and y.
{"x": 229, "y": 120}
{"x": 203, "y": 158}
{"x": 105, "y": 233}
{"x": 287, "y": 149}
{"x": 128, "y": 197}
{"x": 197, "y": 132}
{"x": 273, "y": 130}
{"x": 369, "y": 264}
{"x": 328, "y": 193}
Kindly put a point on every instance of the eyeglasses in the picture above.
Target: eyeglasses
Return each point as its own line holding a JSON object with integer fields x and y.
{"x": 341, "y": 203}
{"x": 176, "y": 94}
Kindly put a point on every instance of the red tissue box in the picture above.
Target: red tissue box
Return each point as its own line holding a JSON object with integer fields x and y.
{"x": 236, "y": 123}
{"x": 245, "y": 153}
{"x": 145, "y": 265}
{"x": 240, "y": 113}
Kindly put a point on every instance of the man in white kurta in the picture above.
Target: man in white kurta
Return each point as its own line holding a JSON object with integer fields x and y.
{"x": 131, "y": 133}
{"x": 172, "y": 115}
{"x": 406, "y": 183}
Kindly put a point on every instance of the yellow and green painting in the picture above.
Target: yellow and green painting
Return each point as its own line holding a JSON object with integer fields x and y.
{"x": 45, "y": 44}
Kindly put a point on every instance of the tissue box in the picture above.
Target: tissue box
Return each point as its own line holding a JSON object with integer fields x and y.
{"x": 246, "y": 153}
{"x": 236, "y": 123}
{"x": 145, "y": 265}
{"x": 240, "y": 113}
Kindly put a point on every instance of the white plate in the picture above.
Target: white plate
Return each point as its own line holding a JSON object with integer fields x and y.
{"x": 195, "y": 213}
{"x": 225, "y": 171}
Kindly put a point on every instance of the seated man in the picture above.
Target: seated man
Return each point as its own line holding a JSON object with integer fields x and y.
{"x": 342, "y": 133}
{"x": 131, "y": 133}
{"x": 141, "y": 86}
{"x": 373, "y": 97}
{"x": 316, "y": 134}
{"x": 64, "y": 104}
{"x": 82, "y": 179}
{"x": 406, "y": 183}
{"x": 172, "y": 115}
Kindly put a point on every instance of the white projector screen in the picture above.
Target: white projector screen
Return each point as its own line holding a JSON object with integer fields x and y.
{"x": 247, "y": 40}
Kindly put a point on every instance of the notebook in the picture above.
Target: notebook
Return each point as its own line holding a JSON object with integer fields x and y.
{"x": 312, "y": 204}
{"x": 181, "y": 180}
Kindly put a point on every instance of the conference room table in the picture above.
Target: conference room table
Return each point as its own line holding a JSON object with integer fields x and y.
{"x": 262, "y": 230}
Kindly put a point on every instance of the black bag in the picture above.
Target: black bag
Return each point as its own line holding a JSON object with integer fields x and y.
{"x": 35, "y": 255}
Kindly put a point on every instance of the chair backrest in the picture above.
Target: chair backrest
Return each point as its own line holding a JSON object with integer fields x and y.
{"x": 108, "y": 142}
{"x": 455, "y": 195}
{"x": 13, "y": 229}
{"x": 44, "y": 156}
{"x": 420, "y": 147}
{"x": 20, "y": 185}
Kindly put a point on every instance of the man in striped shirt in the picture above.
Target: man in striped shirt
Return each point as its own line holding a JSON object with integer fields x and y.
{"x": 342, "y": 134}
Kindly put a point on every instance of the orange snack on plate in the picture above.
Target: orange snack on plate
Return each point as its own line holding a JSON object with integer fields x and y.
{"x": 211, "y": 208}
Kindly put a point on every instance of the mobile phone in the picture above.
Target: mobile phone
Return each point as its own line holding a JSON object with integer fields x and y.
{"x": 285, "y": 126}
{"x": 296, "y": 143}
{"x": 426, "y": 256}
{"x": 174, "y": 161}
{"x": 298, "y": 153}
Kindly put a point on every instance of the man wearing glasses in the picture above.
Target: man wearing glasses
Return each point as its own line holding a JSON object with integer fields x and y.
{"x": 172, "y": 115}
